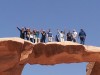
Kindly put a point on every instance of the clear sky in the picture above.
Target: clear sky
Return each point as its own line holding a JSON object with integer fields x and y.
{"x": 53, "y": 14}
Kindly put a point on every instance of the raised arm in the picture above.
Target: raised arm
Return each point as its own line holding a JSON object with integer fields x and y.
{"x": 41, "y": 30}
{"x": 18, "y": 28}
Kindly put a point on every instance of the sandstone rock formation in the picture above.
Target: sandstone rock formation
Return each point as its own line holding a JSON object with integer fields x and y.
{"x": 16, "y": 52}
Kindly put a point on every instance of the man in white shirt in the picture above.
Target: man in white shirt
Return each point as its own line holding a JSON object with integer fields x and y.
{"x": 61, "y": 36}
{"x": 74, "y": 34}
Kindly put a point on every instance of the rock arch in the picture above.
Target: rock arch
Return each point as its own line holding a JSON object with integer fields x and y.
{"x": 16, "y": 52}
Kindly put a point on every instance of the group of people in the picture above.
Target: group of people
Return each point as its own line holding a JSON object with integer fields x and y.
{"x": 71, "y": 36}
{"x": 33, "y": 36}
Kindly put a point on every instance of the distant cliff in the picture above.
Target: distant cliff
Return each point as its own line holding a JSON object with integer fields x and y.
{"x": 16, "y": 52}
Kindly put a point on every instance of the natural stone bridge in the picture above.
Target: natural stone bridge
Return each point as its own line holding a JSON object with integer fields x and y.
{"x": 16, "y": 52}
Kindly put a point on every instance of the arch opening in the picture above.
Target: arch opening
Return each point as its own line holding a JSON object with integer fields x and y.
{"x": 59, "y": 69}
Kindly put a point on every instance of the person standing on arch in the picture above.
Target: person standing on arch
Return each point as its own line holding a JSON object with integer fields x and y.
{"x": 82, "y": 36}
{"x": 37, "y": 39}
{"x": 61, "y": 35}
{"x": 50, "y": 36}
{"x": 43, "y": 37}
{"x": 22, "y": 32}
{"x": 74, "y": 34}
{"x": 69, "y": 36}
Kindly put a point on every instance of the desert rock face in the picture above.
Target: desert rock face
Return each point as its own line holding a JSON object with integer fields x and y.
{"x": 16, "y": 52}
{"x": 95, "y": 70}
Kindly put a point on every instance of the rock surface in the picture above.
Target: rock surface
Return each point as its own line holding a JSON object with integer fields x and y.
{"x": 89, "y": 68}
{"x": 16, "y": 52}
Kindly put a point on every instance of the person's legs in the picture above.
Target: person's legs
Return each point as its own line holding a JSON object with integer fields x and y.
{"x": 27, "y": 38}
{"x": 56, "y": 39}
{"x": 36, "y": 39}
{"x": 62, "y": 39}
{"x": 31, "y": 39}
{"x": 74, "y": 39}
{"x": 82, "y": 40}
{"x": 49, "y": 39}
{"x": 44, "y": 39}
{"x": 21, "y": 37}
{"x": 69, "y": 39}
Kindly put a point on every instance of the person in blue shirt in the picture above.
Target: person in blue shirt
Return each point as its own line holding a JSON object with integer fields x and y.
{"x": 82, "y": 36}
{"x": 50, "y": 36}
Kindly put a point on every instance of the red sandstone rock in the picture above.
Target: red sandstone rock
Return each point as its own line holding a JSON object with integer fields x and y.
{"x": 16, "y": 52}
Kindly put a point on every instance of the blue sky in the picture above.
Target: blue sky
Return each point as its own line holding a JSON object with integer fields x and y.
{"x": 53, "y": 14}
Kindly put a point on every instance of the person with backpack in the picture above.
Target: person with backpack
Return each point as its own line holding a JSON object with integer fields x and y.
{"x": 50, "y": 36}
{"x": 74, "y": 34}
{"x": 69, "y": 36}
{"x": 22, "y": 32}
{"x": 82, "y": 36}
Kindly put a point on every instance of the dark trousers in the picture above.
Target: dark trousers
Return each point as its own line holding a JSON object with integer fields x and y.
{"x": 69, "y": 39}
{"x": 57, "y": 39}
{"x": 82, "y": 40}
{"x": 31, "y": 39}
{"x": 27, "y": 38}
{"x": 43, "y": 39}
{"x": 22, "y": 36}
{"x": 34, "y": 40}
{"x": 74, "y": 40}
